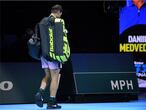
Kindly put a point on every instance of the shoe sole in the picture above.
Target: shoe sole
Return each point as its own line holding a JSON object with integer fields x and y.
{"x": 51, "y": 107}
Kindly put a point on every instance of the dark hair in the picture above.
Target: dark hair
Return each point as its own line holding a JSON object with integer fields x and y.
{"x": 56, "y": 8}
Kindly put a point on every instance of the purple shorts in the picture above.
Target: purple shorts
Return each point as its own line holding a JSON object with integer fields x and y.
{"x": 50, "y": 64}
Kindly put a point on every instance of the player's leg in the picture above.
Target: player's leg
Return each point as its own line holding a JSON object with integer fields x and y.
{"x": 45, "y": 80}
{"x": 44, "y": 83}
{"x": 55, "y": 79}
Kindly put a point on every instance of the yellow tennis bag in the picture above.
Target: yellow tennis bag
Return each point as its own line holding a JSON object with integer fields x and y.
{"x": 53, "y": 38}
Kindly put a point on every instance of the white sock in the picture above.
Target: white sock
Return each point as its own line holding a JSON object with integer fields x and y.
{"x": 52, "y": 97}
